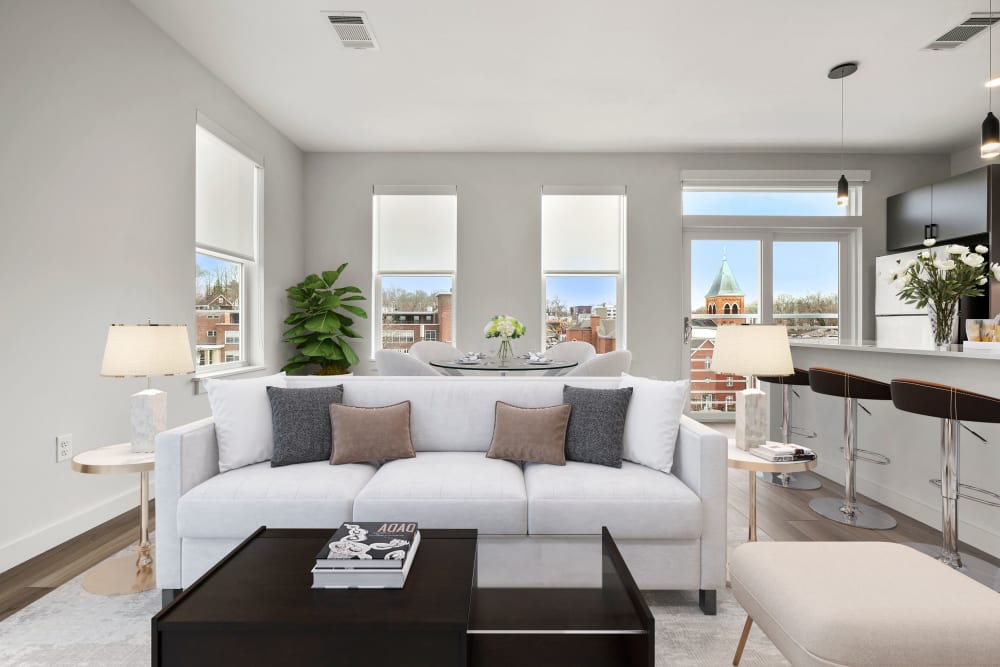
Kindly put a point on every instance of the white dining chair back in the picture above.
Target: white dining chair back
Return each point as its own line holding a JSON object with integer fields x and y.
{"x": 434, "y": 350}
{"x": 611, "y": 364}
{"x": 572, "y": 350}
{"x": 391, "y": 362}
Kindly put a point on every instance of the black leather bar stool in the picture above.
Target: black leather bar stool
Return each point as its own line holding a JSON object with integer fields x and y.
{"x": 952, "y": 406}
{"x": 851, "y": 388}
{"x": 801, "y": 481}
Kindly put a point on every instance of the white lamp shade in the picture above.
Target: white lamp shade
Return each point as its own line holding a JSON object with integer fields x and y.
{"x": 757, "y": 349}
{"x": 146, "y": 350}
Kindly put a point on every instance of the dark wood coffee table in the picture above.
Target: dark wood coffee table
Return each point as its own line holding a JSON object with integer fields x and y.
{"x": 257, "y": 607}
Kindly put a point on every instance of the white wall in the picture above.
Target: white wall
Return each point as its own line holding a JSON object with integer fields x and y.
{"x": 967, "y": 159}
{"x": 97, "y": 226}
{"x": 499, "y": 227}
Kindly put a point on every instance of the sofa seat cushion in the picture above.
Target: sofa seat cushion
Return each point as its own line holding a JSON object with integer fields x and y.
{"x": 448, "y": 490}
{"x": 304, "y": 495}
{"x": 633, "y": 501}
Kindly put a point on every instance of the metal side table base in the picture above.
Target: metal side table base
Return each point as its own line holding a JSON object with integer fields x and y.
{"x": 863, "y": 516}
{"x": 798, "y": 481}
{"x": 975, "y": 568}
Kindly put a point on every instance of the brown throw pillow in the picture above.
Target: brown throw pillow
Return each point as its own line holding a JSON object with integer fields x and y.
{"x": 530, "y": 434}
{"x": 370, "y": 434}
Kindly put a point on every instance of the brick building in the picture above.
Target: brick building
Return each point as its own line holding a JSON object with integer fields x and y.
{"x": 595, "y": 327}
{"x": 217, "y": 336}
{"x": 401, "y": 329}
{"x": 725, "y": 297}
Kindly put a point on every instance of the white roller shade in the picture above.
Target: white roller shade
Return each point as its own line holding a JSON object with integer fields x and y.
{"x": 225, "y": 201}
{"x": 417, "y": 233}
{"x": 582, "y": 232}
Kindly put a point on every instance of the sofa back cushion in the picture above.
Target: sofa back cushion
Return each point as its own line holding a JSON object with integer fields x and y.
{"x": 456, "y": 414}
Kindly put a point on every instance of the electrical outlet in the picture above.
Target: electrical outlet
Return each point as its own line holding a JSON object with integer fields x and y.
{"x": 64, "y": 447}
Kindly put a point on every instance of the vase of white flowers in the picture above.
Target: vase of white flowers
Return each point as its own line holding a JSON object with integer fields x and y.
{"x": 505, "y": 328}
{"x": 937, "y": 283}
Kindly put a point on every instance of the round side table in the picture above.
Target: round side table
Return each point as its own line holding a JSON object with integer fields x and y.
{"x": 118, "y": 576}
{"x": 741, "y": 460}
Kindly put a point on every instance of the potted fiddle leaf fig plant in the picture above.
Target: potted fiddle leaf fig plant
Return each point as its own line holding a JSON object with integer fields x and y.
{"x": 321, "y": 322}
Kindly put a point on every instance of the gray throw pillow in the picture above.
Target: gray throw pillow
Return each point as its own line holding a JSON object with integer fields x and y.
{"x": 596, "y": 428}
{"x": 300, "y": 419}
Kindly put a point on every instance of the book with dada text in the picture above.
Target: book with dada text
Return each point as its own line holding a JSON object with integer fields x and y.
{"x": 373, "y": 545}
{"x": 331, "y": 577}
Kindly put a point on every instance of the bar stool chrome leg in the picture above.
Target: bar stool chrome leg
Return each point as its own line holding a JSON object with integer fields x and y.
{"x": 848, "y": 510}
{"x": 951, "y": 490}
{"x": 799, "y": 481}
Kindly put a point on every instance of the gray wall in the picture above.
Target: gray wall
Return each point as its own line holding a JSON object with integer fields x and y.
{"x": 499, "y": 227}
{"x": 97, "y": 226}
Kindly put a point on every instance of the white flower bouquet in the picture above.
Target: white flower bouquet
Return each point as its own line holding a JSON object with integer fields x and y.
{"x": 505, "y": 328}
{"x": 937, "y": 283}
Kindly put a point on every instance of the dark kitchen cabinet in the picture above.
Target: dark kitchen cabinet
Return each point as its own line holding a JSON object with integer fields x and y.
{"x": 956, "y": 208}
{"x": 909, "y": 217}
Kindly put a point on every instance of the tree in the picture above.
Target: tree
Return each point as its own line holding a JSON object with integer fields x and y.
{"x": 403, "y": 299}
{"x": 555, "y": 307}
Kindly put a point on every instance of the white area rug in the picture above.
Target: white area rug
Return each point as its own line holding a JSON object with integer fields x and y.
{"x": 73, "y": 627}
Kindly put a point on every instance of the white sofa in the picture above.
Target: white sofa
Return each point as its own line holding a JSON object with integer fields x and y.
{"x": 671, "y": 528}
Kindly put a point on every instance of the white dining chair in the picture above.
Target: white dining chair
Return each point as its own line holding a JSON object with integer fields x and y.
{"x": 434, "y": 350}
{"x": 391, "y": 362}
{"x": 611, "y": 364}
{"x": 571, "y": 350}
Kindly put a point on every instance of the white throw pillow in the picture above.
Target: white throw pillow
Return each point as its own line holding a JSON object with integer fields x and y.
{"x": 653, "y": 420}
{"x": 242, "y": 414}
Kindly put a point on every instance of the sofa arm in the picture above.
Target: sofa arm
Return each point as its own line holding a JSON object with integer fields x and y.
{"x": 700, "y": 462}
{"x": 186, "y": 456}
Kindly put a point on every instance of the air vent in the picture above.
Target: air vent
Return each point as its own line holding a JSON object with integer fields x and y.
{"x": 978, "y": 22}
{"x": 352, "y": 29}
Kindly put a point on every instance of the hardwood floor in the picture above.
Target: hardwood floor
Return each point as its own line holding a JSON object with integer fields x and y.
{"x": 781, "y": 513}
{"x": 25, "y": 583}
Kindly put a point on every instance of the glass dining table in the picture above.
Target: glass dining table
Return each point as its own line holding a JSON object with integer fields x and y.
{"x": 514, "y": 365}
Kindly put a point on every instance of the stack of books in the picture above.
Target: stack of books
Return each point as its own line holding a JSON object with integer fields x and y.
{"x": 375, "y": 554}
{"x": 783, "y": 453}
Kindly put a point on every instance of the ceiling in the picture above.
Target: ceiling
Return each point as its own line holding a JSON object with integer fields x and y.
{"x": 578, "y": 75}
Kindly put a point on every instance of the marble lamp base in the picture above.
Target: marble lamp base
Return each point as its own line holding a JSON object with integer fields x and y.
{"x": 751, "y": 418}
{"x": 149, "y": 417}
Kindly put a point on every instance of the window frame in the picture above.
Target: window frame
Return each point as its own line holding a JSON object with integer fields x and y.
{"x": 250, "y": 321}
{"x": 378, "y": 275}
{"x": 620, "y": 276}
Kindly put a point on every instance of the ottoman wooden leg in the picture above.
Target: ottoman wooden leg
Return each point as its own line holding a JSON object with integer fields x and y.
{"x": 743, "y": 641}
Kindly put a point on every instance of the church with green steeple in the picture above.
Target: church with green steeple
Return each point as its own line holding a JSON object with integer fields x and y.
{"x": 725, "y": 297}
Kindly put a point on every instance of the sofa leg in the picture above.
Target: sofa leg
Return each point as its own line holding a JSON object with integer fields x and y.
{"x": 706, "y": 600}
{"x": 743, "y": 642}
{"x": 169, "y": 594}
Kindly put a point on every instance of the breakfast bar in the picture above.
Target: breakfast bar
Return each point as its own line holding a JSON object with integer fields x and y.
{"x": 910, "y": 442}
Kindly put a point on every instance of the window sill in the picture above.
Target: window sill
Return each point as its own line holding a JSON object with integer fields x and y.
{"x": 199, "y": 379}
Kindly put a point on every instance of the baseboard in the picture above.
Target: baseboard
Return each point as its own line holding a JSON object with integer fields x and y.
{"x": 930, "y": 515}
{"x": 28, "y": 546}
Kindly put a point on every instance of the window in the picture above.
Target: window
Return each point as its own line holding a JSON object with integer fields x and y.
{"x": 583, "y": 266}
{"x": 430, "y": 334}
{"x": 227, "y": 185}
{"x": 730, "y": 200}
{"x": 729, "y": 381}
{"x": 415, "y": 249}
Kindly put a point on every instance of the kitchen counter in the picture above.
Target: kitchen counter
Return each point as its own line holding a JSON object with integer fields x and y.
{"x": 912, "y": 442}
{"x": 871, "y": 346}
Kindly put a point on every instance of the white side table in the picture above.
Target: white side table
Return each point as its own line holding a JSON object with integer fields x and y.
{"x": 741, "y": 460}
{"x": 118, "y": 576}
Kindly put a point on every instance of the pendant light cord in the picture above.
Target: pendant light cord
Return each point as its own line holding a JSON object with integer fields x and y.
{"x": 842, "y": 122}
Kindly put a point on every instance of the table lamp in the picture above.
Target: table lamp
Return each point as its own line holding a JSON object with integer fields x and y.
{"x": 145, "y": 350}
{"x": 752, "y": 350}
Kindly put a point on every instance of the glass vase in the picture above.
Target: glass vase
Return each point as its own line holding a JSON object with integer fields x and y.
{"x": 505, "y": 351}
{"x": 943, "y": 323}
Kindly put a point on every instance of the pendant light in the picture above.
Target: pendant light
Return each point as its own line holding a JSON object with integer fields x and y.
{"x": 990, "y": 146}
{"x": 842, "y": 71}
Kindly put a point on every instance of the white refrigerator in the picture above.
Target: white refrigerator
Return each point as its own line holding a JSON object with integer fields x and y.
{"x": 898, "y": 324}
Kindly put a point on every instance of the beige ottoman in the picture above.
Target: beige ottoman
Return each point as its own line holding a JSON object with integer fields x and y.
{"x": 864, "y": 603}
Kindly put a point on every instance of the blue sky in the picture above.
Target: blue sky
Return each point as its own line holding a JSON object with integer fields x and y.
{"x": 716, "y": 202}
{"x": 429, "y": 284}
{"x": 582, "y": 290}
{"x": 799, "y": 268}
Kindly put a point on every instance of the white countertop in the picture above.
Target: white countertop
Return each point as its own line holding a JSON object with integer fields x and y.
{"x": 870, "y": 346}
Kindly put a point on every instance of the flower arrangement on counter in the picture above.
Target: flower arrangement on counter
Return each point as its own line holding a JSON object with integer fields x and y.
{"x": 505, "y": 328}
{"x": 937, "y": 283}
